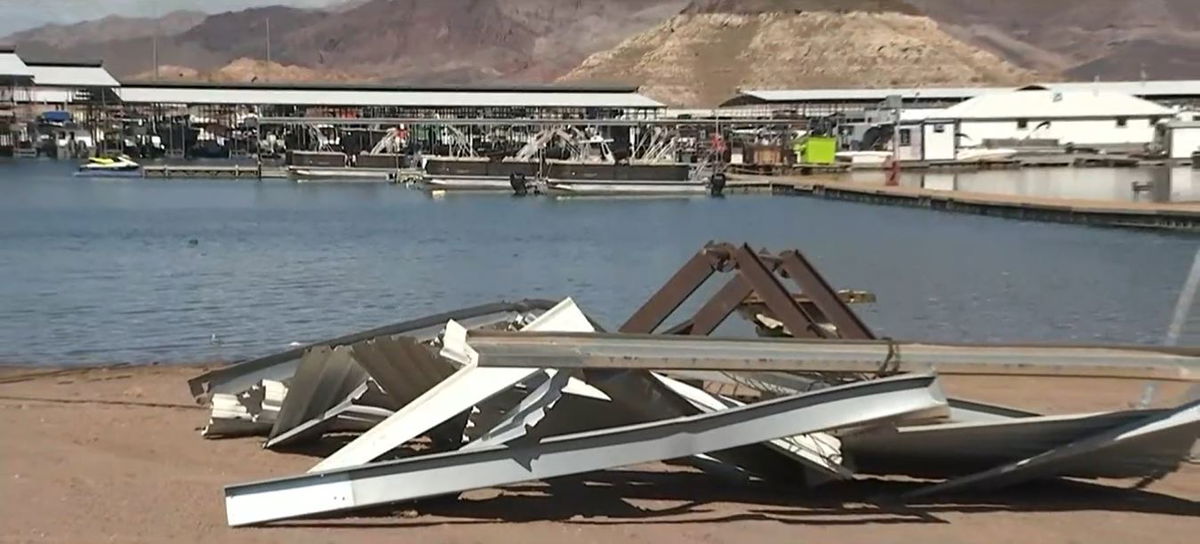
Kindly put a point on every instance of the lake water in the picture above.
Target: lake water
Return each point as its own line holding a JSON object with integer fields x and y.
{"x": 1177, "y": 184}
{"x": 96, "y": 271}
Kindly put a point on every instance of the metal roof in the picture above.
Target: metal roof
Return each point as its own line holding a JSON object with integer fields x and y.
{"x": 1054, "y": 104}
{"x": 12, "y": 66}
{"x": 1147, "y": 89}
{"x": 382, "y": 97}
{"x": 397, "y": 86}
{"x": 78, "y": 75}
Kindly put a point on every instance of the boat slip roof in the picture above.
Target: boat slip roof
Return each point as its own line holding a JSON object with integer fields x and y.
{"x": 12, "y": 66}
{"x": 69, "y": 75}
{"x": 1054, "y": 104}
{"x": 382, "y": 96}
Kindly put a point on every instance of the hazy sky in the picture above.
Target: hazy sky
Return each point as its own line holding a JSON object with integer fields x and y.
{"x": 21, "y": 14}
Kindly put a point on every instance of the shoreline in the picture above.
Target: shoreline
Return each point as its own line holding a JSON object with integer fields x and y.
{"x": 114, "y": 454}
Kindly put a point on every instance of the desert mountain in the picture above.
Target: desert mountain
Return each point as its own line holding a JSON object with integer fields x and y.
{"x": 702, "y": 59}
{"x": 246, "y": 70}
{"x": 1109, "y": 39}
{"x": 741, "y": 42}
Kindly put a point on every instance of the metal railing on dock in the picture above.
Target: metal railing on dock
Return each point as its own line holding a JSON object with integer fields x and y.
{"x": 191, "y": 171}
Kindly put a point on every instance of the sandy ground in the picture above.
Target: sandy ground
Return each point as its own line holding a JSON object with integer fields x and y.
{"x": 114, "y": 456}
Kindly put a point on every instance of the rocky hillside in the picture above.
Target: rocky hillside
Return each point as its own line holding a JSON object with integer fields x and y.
{"x": 1110, "y": 39}
{"x": 106, "y": 29}
{"x": 418, "y": 40}
{"x": 247, "y": 70}
{"x": 702, "y": 59}
{"x": 695, "y": 52}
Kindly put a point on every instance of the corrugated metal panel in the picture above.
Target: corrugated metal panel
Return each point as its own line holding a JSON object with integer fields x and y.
{"x": 72, "y": 76}
{"x": 312, "y": 97}
{"x": 12, "y": 66}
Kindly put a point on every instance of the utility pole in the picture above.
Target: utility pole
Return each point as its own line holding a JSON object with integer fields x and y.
{"x": 895, "y": 103}
{"x": 154, "y": 48}
{"x": 268, "y": 70}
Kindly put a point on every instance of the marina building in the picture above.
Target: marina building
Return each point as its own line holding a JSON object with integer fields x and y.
{"x": 1080, "y": 118}
{"x": 822, "y": 102}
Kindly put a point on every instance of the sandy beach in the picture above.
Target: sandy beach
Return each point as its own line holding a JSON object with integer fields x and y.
{"x": 114, "y": 455}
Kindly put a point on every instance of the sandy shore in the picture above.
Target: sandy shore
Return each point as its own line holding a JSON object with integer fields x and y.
{"x": 113, "y": 455}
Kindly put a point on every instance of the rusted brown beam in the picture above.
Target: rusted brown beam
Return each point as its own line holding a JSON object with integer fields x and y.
{"x": 717, "y": 309}
{"x": 663, "y": 303}
{"x": 763, "y": 281}
{"x": 835, "y": 311}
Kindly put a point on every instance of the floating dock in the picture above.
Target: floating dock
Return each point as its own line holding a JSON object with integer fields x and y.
{"x": 1182, "y": 217}
{"x": 212, "y": 171}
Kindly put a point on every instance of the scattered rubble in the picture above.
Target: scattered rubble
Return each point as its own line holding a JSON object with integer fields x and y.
{"x": 512, "y": 392}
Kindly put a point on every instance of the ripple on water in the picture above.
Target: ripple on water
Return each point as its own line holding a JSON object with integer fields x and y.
{"x": 96, "y": 272}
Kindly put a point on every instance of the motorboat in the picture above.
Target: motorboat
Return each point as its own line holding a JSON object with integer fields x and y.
{"x": 626, "y": 188}
{"x": 116, "y": 166}
{"x": 465, "y": 183}
{"x": 361, "y": 175}
{"x": 864, "y": 159}
{"x": 984, "y": 154}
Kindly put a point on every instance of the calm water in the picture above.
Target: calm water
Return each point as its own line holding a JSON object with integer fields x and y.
{"x": 102, "y": 271}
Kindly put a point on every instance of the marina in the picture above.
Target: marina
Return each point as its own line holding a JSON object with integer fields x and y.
{"x": 535, "y": 272}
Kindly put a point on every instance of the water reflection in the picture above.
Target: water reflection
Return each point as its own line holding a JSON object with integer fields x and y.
{"x": 1157, "y": 184}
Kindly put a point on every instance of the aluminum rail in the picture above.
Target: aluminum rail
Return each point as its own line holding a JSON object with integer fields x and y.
{"x": 357, "y": 121}
{"x": 663, "y": 352}
{"x": 853, "y": 405}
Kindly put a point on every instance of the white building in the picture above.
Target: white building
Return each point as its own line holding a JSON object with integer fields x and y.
{"x": 1180, "y": 139}
{"x": 1081, "y": 117}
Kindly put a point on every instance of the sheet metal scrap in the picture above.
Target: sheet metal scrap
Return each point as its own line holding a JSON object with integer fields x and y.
{"x": 281, "y": 366}
{"x": 453, "y": 472}
{"x": 1150, "y": 446}
{"x": 466, "y": 388}
{"x": 560, "y": 398}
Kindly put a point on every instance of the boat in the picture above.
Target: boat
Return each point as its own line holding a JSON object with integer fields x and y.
{"x": 864, "y": 159}
{"x": 361, "y": 175}
{"x": 625, "y": 188}
{"x": 473, "y": 173}
{"x": 983, "y": 154}
{"x": 465, "y": 183}
{"x": 117, "y": 166}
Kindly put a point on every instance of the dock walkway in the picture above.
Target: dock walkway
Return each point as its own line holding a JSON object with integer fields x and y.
{"x": 211, "y": 171}
{"x": 1182, "y": 217}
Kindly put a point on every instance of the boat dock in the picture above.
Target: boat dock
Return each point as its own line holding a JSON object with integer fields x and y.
{"x": 212, "y": 171}
{"x": 1181, "y": 217}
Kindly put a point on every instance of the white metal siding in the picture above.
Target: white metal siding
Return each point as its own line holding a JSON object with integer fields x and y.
{"x": 940, "y": 146}
{"x": 1184, "y": 142}
{"x": 1079, "y": 132}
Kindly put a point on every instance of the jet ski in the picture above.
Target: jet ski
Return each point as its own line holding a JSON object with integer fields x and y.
{"x": 116, "y": 166}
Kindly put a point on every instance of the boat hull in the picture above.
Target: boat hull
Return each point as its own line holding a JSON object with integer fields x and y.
{"x": 465, "y": 183}
{"x": 624, "y": 188}
{"x": 341, "y": 174}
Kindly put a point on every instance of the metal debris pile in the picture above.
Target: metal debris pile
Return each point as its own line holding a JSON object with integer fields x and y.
{"x": 511, "y": 392}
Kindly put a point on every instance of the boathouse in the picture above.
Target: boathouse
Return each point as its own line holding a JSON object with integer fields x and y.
{"x": 1079, "y": 118}
{"x": 15, "y": 79}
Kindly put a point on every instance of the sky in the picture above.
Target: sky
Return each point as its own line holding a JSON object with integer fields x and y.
{"x": 16, "y": 15}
